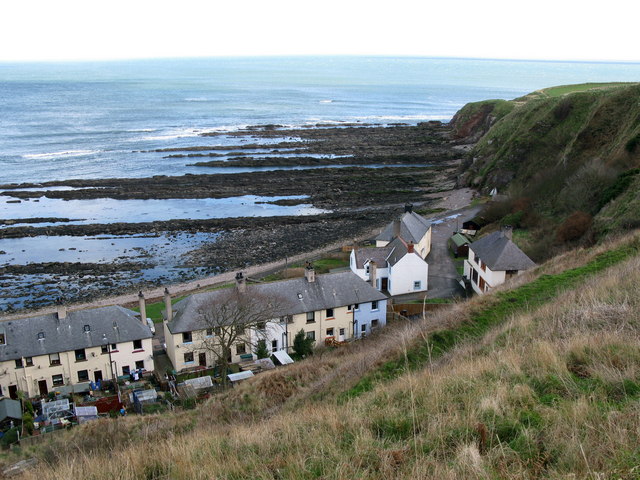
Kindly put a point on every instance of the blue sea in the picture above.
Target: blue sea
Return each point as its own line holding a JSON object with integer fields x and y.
{"x": 98, "y": 120}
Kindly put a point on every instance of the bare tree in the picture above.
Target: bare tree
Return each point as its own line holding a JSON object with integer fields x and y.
{"x": 233, "y": 317}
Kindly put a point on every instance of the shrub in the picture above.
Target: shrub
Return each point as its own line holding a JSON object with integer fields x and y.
{"x": 574, "y": 226}
{"x": 302, "y": 346}
{"x": 261, "y": 350}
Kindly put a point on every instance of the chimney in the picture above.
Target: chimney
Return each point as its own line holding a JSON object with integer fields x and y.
{"x": 410, "y": 247}
{"x": 167, "y": 305}
{"x": 309, "y": 272}
{"x": 373, "y": 273}
{"x": 507, "y": 231}
{"x": 396, "y": 228}
{"x": 62, "y": 309}
{"x": 240, "y": 283}
{"x": 408, "y": 207}
{"x": 143, "y": 308}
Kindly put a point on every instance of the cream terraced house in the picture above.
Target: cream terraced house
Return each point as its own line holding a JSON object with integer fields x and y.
{"x": 64, "y": 351}
{"x": 331, "y": 307}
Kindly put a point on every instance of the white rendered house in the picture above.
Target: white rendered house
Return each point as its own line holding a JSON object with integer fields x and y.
{"x": 493, "y": 260}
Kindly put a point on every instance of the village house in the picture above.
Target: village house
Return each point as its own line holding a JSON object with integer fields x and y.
{"x": 65, "y": 351}
{"x": 494, "y": 259}
{"x": 329, "y": 308}
{"x": 397, "y": 264}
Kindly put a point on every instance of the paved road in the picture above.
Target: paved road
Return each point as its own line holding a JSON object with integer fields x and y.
{"x": 443, "y": 276}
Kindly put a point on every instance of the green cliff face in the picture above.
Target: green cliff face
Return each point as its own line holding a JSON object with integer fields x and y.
{"x": 558, "y": 150}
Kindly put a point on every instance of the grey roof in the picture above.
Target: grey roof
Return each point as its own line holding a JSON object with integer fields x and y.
{"x": 376, "y": 254}
{"x": 115, "y": 323}
{"x": 298, "y": 296}
{"x": 412, "y": 228}
{"x": 500, "y": 253}
{"x": 10, "y": 408}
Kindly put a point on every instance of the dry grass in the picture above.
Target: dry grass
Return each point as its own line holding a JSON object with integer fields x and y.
{"x": 551, "y": 393}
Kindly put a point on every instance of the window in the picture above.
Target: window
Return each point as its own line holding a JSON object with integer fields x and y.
{"x": 140, "y": 365}
{"x": 239, "y": 330}
{"x": 286, "y": 319}
{"x": 83, "y": 375}
{"x": 57, "y": 380}
{"x": 349, "y": 308}
{"x": 374, "y": 323}
{"x": 261, "y": 325}
{"x": 329, "y": 332}
{"x": 274, "y": 345}
{"x": 104, "y": 348}
{"x": 186, "y": 337}
{"x": 28, "y": 361}
{"x": 81, "y": 356}
{"x": 366, "y": 269}
{"x": 483, "y": 266}
{"x": 374, "y": 305}
{"x": 363, "y": 328}
{"x": 311, "y": 317}
{"x": 19, "y": 363}
{"x": 356, "y": 306}
{"x": 114, "y": 347}
{"x": 188, "y": 357}
{"x": 126, "y": 370}
{"x": 241, "y": 349}
{"x": 54, "y": 359}
{"x": 476, "y": 259}
{"x": 87, "y": 328}
{"x": 217, "y": 331}
{"x": 40, "y": 335}
{"x": 329, "y": 312}
{"x": 137, "y": 344}
{"x": 3, "y": 340}
{"x": 342, "y": 332}
{"x": 417, "y": 285}
{"x": 311, "y": 335}
{"x": 209, "y": 332}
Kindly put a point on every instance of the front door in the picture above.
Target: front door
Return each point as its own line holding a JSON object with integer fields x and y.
{"x": 341, "y": 336}
{"x": 202, "y": 359}
{"x": 97, "y": 375}
{"x": 384, "y": 283}
{"x": 42, "y": 388}
{"x": 13, "y": 392}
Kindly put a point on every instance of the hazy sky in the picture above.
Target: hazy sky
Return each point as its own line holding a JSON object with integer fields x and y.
{"x": 545, "y": 29}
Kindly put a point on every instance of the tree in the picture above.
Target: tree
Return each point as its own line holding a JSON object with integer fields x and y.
{"x": 261, "y": 350}
{"x": 302, "y": 345}
{"x": 236, "y": 318}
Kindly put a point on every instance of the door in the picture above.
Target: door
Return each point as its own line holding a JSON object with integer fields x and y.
{"x": 202, "y": 359}
{"x": 42, "y": 388}
{"x": 13, "y": 392}
{"x": 384, "y": 283}
{"x": 341, "y": 336}
{"x": 97, "y": 375}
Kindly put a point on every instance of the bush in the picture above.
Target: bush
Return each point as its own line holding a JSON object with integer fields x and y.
{"x": 302, "y": 346}
{"x": 27, "y": 422}
{"x": 261, "y": 350}
{"x": 574, "y": 227}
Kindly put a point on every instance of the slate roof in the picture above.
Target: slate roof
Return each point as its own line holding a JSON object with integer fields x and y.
{"x": 298, "y": 296}
{"x": 377, "y": 254}
{"x": 500, "y": 253}
{"x": 459, "y": 240}
{"x": 412, "y": 228}
{"x": 116, "y": 323}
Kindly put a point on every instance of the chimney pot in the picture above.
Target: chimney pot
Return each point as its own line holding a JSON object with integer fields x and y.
{"x": 410, "y": 248}
{"x": 309, "y": 272}
{"x": 408, "y": 208}
{"x": 507, "y": 231}
{"x": 240, "y": 283}
{"x": 167, "y": 305}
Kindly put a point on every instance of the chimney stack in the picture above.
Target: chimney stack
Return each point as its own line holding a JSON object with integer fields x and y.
{"x": 408, "y": 207}
{"x": 62, "y": 309}
{"x": 167, "y": 305}
{"x": 410, "y": 248}
{"x": 309, "y": 272}
{"x": 396, "y": 228}
{"x": 507, "y": 231}
{"x": 240, "y": 283}
{"x": 143, "y": 308}
{"x": 373, "y": 273}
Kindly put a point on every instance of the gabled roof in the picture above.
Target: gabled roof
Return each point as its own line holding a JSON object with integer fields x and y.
{"x": 398, "y": 251}
{"x": 376, "y": 254}
{"x": 459, "y": 239}
{"x": 114, "y": 323}
{"x": 297, "y": 296}
{"x": 500, "y": 253}
{"x": 412, "y": 228}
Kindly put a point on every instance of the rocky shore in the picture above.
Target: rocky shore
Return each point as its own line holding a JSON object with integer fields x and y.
{"x": 359, "y": 199}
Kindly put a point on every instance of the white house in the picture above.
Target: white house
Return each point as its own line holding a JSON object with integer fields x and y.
{"x": 493, "y": 260}
{"x": 64, "y": 351}
{"x": 332, "y": 307}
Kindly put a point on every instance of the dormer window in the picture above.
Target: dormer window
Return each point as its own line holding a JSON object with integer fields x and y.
{"x": 40, "y": 335}
{"x": 300, "y": 296}
{"x": 87, "y": 328}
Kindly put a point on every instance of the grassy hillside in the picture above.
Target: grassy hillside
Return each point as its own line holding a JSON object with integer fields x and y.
{"x": 539, "y": 381}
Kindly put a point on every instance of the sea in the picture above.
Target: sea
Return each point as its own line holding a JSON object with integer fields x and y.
{"x": 100, "y": 119}
{"x": 95, "y": 120}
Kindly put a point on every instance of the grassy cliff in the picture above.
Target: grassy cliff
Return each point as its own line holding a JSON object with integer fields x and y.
{"x": 541, "y": 380}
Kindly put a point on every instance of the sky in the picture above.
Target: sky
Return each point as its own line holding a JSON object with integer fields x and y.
{"x": 50, "y": 30}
